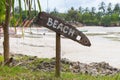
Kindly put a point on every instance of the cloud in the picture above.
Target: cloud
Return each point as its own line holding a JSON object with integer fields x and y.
{"x": 64, "y": 5}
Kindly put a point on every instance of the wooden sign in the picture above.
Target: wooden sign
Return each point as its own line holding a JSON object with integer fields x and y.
{"x": 61, "y": 27}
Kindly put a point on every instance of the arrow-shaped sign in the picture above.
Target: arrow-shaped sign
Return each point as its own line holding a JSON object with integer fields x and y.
{"x": 61, "y": 27}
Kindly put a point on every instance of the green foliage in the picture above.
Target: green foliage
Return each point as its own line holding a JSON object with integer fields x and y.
{"x": 102, "y": 7}
{"x": 117, "y": 8}
{"x": 1, "y": 58}
{"x": 38, "y": 61}
{"x": 2, "y": 6}
{"x": 39, "y": 5}
{"x": 106, "y": 20}
{"x": 2, "y": 11}
{"x": 2, "y": 18}
{"x": 33, "y": 14}
{"x": 109, "y": 9}
{"x": 19, "y": 73}
{"x": 73, "y": 15}
{"x": 13, "y": 22}
{"x": 13, "y": 4}
{"x": 115, "y": 17}
{"x": 106, "y": 15}
{"x": 58, "y": 15}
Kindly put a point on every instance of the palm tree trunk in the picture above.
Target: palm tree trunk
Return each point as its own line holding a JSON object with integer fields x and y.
{"x": 6, "y": 31}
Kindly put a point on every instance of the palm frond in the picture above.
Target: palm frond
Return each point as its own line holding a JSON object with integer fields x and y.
{"x": 25, "y": 4}
{"x": 20, "y": 10}
{"x": 13, "y": 1}
{"x": 39, "y": 5}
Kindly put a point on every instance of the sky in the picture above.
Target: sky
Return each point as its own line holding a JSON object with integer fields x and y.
{"x": 64, "y": 5}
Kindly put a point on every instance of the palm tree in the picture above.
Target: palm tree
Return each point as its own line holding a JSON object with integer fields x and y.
{"x": 102, "y": 7}
{"x": 93, "y": 10}
{"x": 6, "y": 30}
{"x": 8, "y": 4}
{"x": 117, "y": 8}
{"x": 109, "y": 9}
{"x": 2, "y": 10}
{"x": 86, "y": 10}
{"x": 80, "y": 9}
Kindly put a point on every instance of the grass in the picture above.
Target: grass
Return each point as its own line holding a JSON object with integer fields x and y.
{"x": 20, "y": 73}
{"x": 1, "y": 58}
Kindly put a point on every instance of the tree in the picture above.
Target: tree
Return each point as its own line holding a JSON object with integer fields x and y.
{"x": 80, "y": 9}
{"x": 102, "y": 7}
{"x": 86, "y": 10}
{"x": 117, "y": 8}
{"x": 58, "y": 15}
{"x": 72, "y": 15}
{"x": 115, "y": 18}
{"x": 107, "y": 15}
{"x": 6, "y": 30}
{"x": 93, "y": 10}
{"x": 109, "y": 9}
{"x": 17, "y": 10}
{"x": 89, "y": 16}
{"x": 2, "y": 11}
{"x": 99, "y": 17}
{"x": 8, "y": 4}
{"x": 106, "y": 20}
{"x": 54, "y": 12}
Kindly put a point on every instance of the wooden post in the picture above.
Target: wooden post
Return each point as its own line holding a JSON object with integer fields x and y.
{"x": 58, "y": 51}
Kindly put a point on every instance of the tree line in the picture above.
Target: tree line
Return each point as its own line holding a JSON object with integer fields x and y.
{"x": 106, "y": 15}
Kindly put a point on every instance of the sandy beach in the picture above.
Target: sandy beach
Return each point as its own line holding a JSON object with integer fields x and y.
{"x": 41, "y": 43}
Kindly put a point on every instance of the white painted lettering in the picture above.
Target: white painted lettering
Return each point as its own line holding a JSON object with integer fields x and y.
{"x": 71, "y": 32}
{"x": 50, "y": 22}
{"x": 60, "y": 26}
{"x": 65, "y": 29}
{"x": 55, "y": 24}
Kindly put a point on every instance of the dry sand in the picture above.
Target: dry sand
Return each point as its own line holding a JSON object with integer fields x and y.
{"x": 102, "y": 49}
